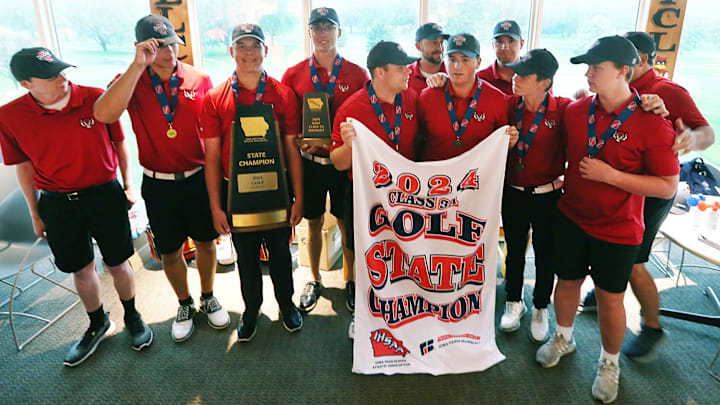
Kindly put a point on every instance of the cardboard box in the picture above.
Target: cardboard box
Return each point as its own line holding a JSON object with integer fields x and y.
{"x": 331, "y": 246}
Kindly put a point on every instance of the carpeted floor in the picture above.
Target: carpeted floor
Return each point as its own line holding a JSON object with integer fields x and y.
{"x": 313, "y": 366}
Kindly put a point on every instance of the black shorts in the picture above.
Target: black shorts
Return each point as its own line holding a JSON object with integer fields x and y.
{"x": 348, "y": 217}
{"x": 99, "y": 212}
{"x": 655, "y": 212}
{"x": 178, "y": 209}
{"x": 318, "y": 180}
{"x": 577, "y": 254}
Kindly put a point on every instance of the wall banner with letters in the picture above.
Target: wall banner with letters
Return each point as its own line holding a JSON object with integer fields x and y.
{"x": 426, "y": 237}
{"x": 665, "y": 21}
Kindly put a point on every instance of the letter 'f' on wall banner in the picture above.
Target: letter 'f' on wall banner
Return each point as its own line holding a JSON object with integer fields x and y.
{"x": 426, "y": 237}
{"x": 664, "y": 24}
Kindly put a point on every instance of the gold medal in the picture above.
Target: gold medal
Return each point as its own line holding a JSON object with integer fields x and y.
{"x": 171, "y": 133}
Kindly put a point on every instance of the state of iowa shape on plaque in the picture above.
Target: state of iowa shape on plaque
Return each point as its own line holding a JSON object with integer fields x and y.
{"x": 258, "y": 195}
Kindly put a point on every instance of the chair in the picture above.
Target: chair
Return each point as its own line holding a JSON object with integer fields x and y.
{"x": 20, "y": 250}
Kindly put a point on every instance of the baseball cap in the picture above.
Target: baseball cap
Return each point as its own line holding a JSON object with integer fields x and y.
{"x": 536, "y": 61}
{"x": 324, "y": 14}
{"x": 247, "y": 30}
{"x": 464, "y": 43}
{"x": 614, "y": 49}
{"x": 388, "y": 52}
{"x": 156, "y": 26}
{"x": 36, "y": 62}
{"x": 642, "y": 41}
{"x": 429, "y": 31}
{"x": 509, "y": 28}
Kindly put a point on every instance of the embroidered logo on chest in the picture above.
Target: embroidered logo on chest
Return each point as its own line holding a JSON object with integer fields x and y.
{"x": 550, "y": 123}
{"x": 620, "y": 136}
{"x": 479, "y": 117}
{"x": 344, "y": 87}
{"x": 190, "y": 94}
{"x": 87, "y": 122}
{"x": 409, "y": 115}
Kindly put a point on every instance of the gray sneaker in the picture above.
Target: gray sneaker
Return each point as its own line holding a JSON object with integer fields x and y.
{"x": 548, "y": 355}
{"x": 605, "y": 387}
{"x": 86, "y": 346}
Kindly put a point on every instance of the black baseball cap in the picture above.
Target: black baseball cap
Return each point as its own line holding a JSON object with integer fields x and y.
{"x": 321, "y": 14}
{"x": 430, "y": 31}
{"x": 509, "y": 28}
{"x": 248, "y": 30}
{"x": 388, "y": 52}
{"x": 643, "y": 42}
{"x": 464, "y": 43}
{"x": 156, "y": 26}
{"x": 614, "y": 49}
{"x": 536, "y": 61}
{"x": 36, "y": 62}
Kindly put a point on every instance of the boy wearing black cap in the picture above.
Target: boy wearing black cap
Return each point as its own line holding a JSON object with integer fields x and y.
{"x": 507, "y": 42}
{"x": 80, "y": 196}
{"x": 694, "y": 134}
{"x": 249, "y": 84}
{"x": 466, "y": 110}
{"x": 430, "y": 41}
{"x": 324, "y": 71}
{"x": 387, "y": 108}
{"x": 532, "y": 187}
{"x": 164, "y": 97}
{"x": 616, "y": 156}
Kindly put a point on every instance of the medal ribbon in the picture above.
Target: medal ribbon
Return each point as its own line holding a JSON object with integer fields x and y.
{"x": 168, "y": 109}
{"x": 258, "y": 93}
{"x": 460, "y": 127}
{"x": 394, "y": 136}
{"x": 526, "y": 139}
{"x": 332, "y": 81}
{"x": 595, "y": 144}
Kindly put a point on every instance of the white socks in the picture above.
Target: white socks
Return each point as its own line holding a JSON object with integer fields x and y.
{"x": 614, "y": 358}
{"x": 565, "y": 331}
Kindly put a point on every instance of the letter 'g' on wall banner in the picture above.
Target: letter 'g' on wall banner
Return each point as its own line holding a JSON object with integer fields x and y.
{"x": 177, "y": 12}
{"x": 665, "y": 20}
{"x": 426, "y": 237}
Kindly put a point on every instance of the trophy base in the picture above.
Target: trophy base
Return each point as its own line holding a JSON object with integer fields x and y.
{"x": 259, "y": 221}
{"x": 312, "y": 141}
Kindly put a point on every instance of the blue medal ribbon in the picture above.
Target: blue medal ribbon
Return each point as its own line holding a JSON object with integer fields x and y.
{"x": 259, "y": 93}
{"x": 460, "y": 127}
{"x": 595, "y": 144}
{"x": 526, "y": 139}
{"x": 393, "y": 135}
{"x": 168, "y": 109}
{"x": 332, "y": 81}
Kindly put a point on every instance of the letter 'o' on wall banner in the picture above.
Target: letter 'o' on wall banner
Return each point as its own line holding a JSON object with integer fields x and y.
{"x": 665, "y": 20}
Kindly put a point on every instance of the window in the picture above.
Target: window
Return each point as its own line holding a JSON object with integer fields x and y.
{"x": 365, "y": 23}
{"x": 569, "y": 31}
{"x": 100, "y": 47}
{"x": 280, "y": 21}
{"x": 479, "y": 19}
{"x": 697, "y": 64}
{"x": 18, "y": 29}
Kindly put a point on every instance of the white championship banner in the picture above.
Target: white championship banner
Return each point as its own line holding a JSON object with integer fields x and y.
{"x": 426, "y": 237}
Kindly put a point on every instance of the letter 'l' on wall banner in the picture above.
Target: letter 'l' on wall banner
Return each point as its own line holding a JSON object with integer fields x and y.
{"x": 426, "y": 237}
{"x": 665, "y": 20}
{"x": 177, "y": 12}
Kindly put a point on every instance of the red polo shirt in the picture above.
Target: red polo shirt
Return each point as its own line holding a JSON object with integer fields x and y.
{"x": 644, "y": 146}
{"x": 157, "y": 151}
{"x": 545, "y": 160}
{"x": 492, "y": 75}
{"x": 358, "y": 106}
{"x": 677, "y": 99}
{"x": 69, "y": 149}
{"x": 351, "y": 78}
{"x": 218, "y": 112}
{"x": 491, "y": 113}
{"x": 417, "y": 80}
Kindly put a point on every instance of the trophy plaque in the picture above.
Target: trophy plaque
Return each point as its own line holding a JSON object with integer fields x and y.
{"x": 316, "y": 120}
{"x": 258, "y": 196}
